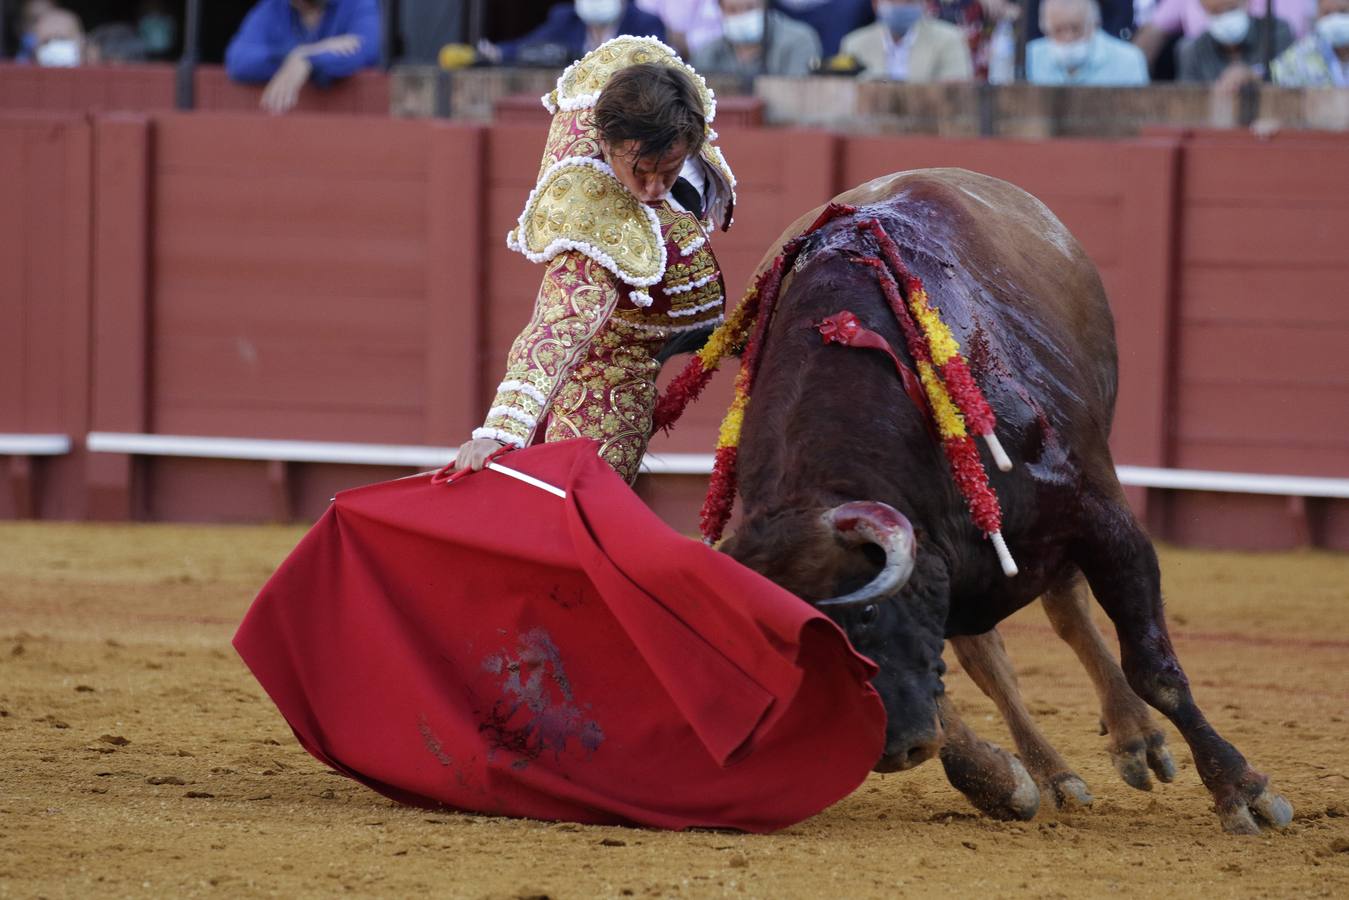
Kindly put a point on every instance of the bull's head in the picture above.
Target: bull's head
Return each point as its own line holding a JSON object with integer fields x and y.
{"x": 898, "y": 626}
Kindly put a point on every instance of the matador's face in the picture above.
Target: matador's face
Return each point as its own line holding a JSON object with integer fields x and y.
{"x": 650, "y": 178}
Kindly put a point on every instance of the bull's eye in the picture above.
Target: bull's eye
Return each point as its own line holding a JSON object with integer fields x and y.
{"x": 870, "y": 613}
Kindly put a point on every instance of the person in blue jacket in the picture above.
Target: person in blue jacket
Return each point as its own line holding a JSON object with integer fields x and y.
{"x": 287, "y": 43}
{"x": 574, "y": 29}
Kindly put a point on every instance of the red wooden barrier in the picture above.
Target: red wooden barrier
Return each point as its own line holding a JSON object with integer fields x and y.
{"x": 344, "y": 278}
{"x": 145, "y": 88}
{"x": 151, "y": 88}
{"x": 1263, "y": 331}
{"x": 44, "y": 295}
{"x": 365, "y": 93}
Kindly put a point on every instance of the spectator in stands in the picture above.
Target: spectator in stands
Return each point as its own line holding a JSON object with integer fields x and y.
{"x": 1230, "y": 51}
{"x": 690, "y": 25}
{"x": 758, "y": 41}
{"x": 426, "y": 26}
{"x": 1321, "y": 59}
{"x": 1191, "y": 18}
{"x": 907, "y": 44}
{"x": 115, "y": 42}
{"x": 832, "y": 19}
{"x": 288, "y": 43}
{"x": 29, "y": 13}
{"x": 1076, "y": 51}
{"x": 158, "y": 29}
{"x": 572, "y": 30}
{"x": 58, "y": 39}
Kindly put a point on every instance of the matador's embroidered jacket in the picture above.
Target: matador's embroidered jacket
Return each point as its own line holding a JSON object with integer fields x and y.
{"x": 621, "y": 276}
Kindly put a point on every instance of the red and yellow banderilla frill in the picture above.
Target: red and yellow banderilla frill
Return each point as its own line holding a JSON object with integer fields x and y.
{"x": 955, "y": 402}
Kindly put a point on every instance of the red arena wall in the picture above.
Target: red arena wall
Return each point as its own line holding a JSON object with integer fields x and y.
{"x": 345, "y": 278}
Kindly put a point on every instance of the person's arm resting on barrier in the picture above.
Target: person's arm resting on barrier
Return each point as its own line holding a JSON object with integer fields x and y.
{"x": 577, "y": 297}
{"x": 359, "y": 48}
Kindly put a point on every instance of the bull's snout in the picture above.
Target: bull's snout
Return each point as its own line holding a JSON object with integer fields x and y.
{"x": 911, "y": 748}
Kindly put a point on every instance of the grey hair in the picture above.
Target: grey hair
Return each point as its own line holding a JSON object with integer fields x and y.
{"x": 1093, "y": 11}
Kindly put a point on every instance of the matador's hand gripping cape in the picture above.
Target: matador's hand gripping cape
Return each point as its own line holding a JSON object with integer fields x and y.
{"x": 615, "y": 263}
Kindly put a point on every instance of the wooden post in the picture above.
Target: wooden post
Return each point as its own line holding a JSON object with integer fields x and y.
{"x": 456, "y": 289}
{"x": 1145, "y": 414}
{"x": 121, "y": 361}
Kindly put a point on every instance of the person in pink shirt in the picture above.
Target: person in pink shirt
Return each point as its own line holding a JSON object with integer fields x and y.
{"x": 690, "y": 25}
{"x": 1189, "y": 18}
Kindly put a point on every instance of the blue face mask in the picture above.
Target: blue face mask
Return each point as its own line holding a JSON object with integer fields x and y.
{"x": 899, "y": 17}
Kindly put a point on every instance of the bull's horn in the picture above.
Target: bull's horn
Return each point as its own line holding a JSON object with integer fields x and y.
{"x": 873, "y": 522}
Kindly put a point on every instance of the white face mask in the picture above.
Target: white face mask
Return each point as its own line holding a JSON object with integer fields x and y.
{"x": 1334, "y": 29}
{"x": 744, "y": 28}
{"x": 61, "y": 53}
{"x": 599, "y": 12}
{"x": 1230, "y": 28}
{"x": 1071, "y": 55}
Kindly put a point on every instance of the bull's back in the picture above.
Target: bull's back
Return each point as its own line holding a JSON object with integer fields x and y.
{"x": 1010, "y": 259}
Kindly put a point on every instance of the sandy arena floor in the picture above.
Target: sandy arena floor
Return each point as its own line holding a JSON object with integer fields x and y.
{"x": 139, "y": 758}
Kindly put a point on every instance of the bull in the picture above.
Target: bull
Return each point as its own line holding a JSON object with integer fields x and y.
{"x": 849, "y": 503}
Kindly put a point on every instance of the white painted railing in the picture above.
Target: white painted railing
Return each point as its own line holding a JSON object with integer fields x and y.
{"x": 34, "y": 444}
{"x": 428, "y": 457}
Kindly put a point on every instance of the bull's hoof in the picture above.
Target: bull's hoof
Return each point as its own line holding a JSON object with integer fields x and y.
{"x": 1024, "y": 802}
{"x": 1245, "y": 815}
{"x": 1133, "y": 760}
{"x": 994, "y": 781}
{"x": 1069, "y": 792}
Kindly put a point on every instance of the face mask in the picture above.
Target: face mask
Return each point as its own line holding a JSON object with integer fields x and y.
{"x": 899, "y": 17}
{"x": 61, "y": 53}
{"x": 157, "y": 33}
{"x": 1230, "y": 28}
{"x": 599, "y": 12}
{"x": 744, "y": 28}
{"x": 1071, "y": 55}
{"x": 1334, "y": 29}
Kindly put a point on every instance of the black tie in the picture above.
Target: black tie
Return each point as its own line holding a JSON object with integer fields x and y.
{"x": 687, "y": 195}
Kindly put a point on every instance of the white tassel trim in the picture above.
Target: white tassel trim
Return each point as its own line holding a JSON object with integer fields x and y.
{"x": 585, "y": 101}
{"x": 641, "y": 298}
{"x": 711, "y": 304}
{"x": 515, "y": 239}
{"x": 693, "y": 246}
{"x": 693, "y": 285}
{"x": 667, "y": 330}
{"x": 524, "y": 387}
{"x": 497, "y": 434}
{"x": 510, "y": 412}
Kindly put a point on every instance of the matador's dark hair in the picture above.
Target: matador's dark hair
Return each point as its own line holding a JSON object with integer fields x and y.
{"x": 657, "y": 106}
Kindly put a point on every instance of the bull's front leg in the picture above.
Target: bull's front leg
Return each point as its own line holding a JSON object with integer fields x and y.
{"x": 1121, "y": 567}
{"x": 984, "y": 658}
{"x": 1137, "y": 744}
{"x": 992, "y": 779}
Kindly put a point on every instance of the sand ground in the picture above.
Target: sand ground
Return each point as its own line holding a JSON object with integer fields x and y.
{"x": 139, "y": 758}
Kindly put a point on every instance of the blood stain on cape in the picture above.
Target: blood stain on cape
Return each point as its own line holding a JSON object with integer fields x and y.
{"x": 537, "y": 711}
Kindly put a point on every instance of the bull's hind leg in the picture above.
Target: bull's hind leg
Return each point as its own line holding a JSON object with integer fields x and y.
{"x": 992, "y": 779}
{"x": 1136, "y": 742}
{"x": 984, "y": 658}
{"x": 1121, "y": 567}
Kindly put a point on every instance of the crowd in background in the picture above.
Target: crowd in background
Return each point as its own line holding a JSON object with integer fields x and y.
{"x": 287, "y": 44}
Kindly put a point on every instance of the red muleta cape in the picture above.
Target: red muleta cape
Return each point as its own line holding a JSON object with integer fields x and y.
{"x": 488, "y": 646}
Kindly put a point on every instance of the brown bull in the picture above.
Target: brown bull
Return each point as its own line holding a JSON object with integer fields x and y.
{"x": 849, "y": 502}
